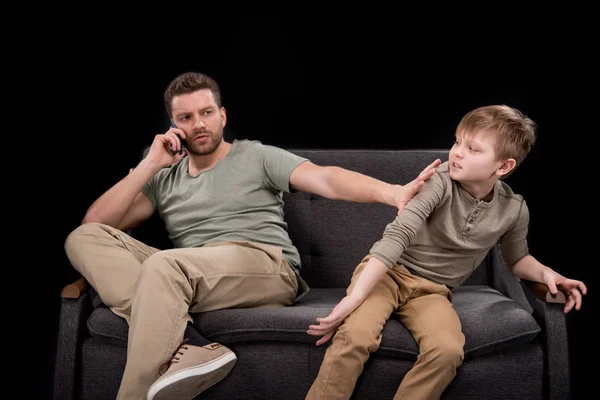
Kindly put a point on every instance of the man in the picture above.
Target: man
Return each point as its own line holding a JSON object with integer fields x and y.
{"x": 222, "y": 207}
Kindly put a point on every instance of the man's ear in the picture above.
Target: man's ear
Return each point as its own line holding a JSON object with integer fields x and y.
{"x": 506, "y": 166}
{"x": 223, "y": 117}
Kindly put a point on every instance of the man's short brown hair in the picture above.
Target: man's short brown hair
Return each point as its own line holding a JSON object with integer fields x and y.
{"x": 190, "y": 82}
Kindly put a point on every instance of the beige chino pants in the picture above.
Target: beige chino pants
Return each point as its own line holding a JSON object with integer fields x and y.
{"x": 425, "y": 309}
{"x": 156, "y": 290}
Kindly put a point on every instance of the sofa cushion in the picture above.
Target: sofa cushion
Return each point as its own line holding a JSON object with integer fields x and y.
{"x": 510, "y": 326}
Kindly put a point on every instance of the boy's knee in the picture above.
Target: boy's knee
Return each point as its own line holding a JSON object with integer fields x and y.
{"x": 361, "y": 336}
{"x": 446, "y": 351}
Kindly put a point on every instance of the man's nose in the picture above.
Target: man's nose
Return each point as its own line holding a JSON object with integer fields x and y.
{"x": 199, "y": 124}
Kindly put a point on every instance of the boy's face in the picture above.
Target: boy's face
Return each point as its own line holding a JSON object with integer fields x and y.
{"x": 472, "y": 158}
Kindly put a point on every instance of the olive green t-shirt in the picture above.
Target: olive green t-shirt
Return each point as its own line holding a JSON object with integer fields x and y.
{"x": 240, "y": 198}
{"x": 444, "y": 233}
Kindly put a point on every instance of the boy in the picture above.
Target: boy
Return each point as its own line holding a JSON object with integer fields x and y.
{"x": 430, "y": 248}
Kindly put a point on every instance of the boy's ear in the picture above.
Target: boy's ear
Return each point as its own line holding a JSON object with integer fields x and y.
{"x": 507, "y": 166}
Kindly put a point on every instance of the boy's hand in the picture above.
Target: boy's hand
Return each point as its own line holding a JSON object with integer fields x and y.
{"x": 572, "y": 289}
{"x": 329, "y": 324}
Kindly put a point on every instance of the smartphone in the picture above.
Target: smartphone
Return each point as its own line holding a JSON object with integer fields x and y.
{"x": 180, "y": 139}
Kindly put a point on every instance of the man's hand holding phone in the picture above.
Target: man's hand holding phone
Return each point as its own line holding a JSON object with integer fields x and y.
{"x": 168, "y": 148}
{"x": 181, "y": 148}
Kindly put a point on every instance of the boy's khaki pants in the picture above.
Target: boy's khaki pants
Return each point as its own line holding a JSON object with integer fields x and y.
{"x": 425, "y": 309}
{"x": 155, "y": 290}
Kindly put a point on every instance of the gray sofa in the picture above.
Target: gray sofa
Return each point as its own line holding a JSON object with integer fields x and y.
{"x": 516, "y": 343}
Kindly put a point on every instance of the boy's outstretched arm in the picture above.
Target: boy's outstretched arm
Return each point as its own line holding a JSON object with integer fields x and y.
{"x": 371, "y": 274}
{"x": 531, "y": 269}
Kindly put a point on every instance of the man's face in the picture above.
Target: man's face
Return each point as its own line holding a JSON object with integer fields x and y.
{"x": 198, "y": 115}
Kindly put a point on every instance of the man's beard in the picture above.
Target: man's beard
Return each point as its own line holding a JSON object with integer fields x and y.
{"x": 207, "y": 148}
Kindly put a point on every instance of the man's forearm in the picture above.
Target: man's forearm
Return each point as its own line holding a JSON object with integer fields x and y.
{"x": 343, "y": 184}
{"x": 112, "y": 205}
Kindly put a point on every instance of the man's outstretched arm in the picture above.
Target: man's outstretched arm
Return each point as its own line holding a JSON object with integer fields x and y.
{"x": 341, "y": 184}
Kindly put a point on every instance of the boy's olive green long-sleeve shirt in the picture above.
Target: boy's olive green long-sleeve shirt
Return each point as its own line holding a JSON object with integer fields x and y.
{"x": 444, "y": 233}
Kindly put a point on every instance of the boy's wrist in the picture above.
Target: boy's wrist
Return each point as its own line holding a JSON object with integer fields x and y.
{"x": 357, "y": 295}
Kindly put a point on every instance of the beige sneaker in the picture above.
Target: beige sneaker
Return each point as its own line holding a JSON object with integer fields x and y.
{"x": 191, "y": 370}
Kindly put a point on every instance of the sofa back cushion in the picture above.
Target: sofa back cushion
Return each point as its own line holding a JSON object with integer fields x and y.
{"x": 333, "y": 236}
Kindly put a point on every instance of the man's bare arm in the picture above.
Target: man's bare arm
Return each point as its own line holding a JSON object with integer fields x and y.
{"x": 342, "y": 184}
{"x": 124, "y": 205}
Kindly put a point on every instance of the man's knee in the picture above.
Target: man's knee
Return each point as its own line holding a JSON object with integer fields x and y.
{"x": 83, "y": 232}
{"x": 82, "y": 235}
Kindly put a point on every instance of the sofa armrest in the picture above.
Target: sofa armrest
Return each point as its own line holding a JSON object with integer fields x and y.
{"x": 75, "y": 309}
{"x": 75, "y": 289}
{"x": 549, "y": 313}
{"x": 542, "y": 292}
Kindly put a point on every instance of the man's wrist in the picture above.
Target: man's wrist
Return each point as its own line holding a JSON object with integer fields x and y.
{"x": 149, "y": 166}
{"x": 390, "y": 194}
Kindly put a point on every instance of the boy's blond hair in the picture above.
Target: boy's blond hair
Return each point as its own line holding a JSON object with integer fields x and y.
{"x": 515, "y": 132}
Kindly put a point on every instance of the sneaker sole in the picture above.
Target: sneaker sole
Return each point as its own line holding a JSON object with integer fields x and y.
{"x": 190, "y": 382}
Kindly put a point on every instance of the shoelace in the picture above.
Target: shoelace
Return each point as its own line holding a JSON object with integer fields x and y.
{"x": 174, "y": 359}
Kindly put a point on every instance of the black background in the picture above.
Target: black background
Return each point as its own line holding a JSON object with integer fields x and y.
{"x": 313, "y": 83}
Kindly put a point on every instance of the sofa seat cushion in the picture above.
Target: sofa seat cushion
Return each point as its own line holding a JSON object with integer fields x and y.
{"x": 510, "y": 325}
